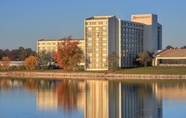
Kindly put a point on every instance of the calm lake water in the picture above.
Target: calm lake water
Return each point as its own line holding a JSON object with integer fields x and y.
{"x": 41, "y": 98}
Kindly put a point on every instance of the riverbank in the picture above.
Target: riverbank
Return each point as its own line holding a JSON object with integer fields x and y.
{"x": 84, "y": 75}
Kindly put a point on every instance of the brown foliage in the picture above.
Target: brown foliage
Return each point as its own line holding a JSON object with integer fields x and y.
{"x": 68, "y": 54}
{"x": 31, "y": 63}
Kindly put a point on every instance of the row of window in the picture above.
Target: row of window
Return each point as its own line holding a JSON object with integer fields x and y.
{"x": 172, "y": 61}
{"x": 46, "y": 43}
{"x": 90, "y": 55}
{"x": 96, "y": 28}
{"x": 130, "y": 47}
{"x": 96, "y": 34}
{"x": 136, "y": 43}
{"x": 131, "y": 30}
{"x": 132, "y": 37}
{"x": 131, "y": 24}
{"x": 96, "y": 23}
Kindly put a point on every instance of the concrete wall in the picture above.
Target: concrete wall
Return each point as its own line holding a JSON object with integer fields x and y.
{"x": 97, "y": 76}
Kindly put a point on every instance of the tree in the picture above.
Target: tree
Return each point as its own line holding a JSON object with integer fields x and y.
{"x": 169, "y": 47}
{"x": 69, "y": 54}
{"x": 31, "y": 63}
{"x": 143, "y": 58}
{"x": 113, "y": 61}
{"x": 45, "y": 57}
{"x": 17, "y": 54}
{"x": 184, "y": 47}
{"x": 1, "y": 54}
{"x": 25, "y": 53}
{"x": 5, "y": 63}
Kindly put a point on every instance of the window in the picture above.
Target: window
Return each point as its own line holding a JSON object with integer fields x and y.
{"x": 104, "y": 28}
{"x": 97, "y": 34}
{"x": 88, "y": 23}
{"x": 89, "y": 34}
{"x": 89, "y": 39}
{"x": 89, "y": 50}
{"x": 104, "y": 22}
{"x": 104, "y": 39}
{"x": 97, "y": 28}
{"x": 89, "y": 28}
{"x": 104, "y": 43}
{"x": 104, "y": 34}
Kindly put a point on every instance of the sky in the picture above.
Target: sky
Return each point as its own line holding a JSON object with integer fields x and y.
{"x": 23, "y": 22}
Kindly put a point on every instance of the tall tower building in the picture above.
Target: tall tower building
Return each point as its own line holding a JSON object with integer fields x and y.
{"x": 101, "y": 39}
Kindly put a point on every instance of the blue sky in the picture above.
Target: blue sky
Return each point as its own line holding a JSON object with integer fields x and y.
{"x": 23, "y": 22}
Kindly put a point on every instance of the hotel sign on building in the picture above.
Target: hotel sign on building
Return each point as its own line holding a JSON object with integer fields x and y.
{"x": 140, "y": 17}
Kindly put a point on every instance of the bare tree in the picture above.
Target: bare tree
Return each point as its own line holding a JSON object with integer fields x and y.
{"x": 113, "y": 61}
{"x": 44, "y": 58}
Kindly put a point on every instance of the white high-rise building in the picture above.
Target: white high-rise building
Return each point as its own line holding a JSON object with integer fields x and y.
{"x": 106, "y": 34}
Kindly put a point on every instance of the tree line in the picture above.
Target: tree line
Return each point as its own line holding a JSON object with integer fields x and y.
{"x": 171, "y": 47}
{"x": 19, "y": 54}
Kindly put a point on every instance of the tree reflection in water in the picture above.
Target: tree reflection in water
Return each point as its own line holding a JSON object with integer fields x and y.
{"x": 4, "y": 84}
{"x": 31, "y": 84}
{"x": 67, "y": 92}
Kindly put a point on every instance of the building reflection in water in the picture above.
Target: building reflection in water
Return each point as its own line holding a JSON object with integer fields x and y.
{"x": 106, "y": 99}
{"x": 66, "y": 95}
{"x": 96, "y": 99}
{"x": 101, "y": 98}
{"x": 46, "y": 100}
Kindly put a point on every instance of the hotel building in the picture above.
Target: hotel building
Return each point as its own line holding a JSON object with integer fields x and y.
{"x": 106, "y": 34}
{"x": 51, "y": 45}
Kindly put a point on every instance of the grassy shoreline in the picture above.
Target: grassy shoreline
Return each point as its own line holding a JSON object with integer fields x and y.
{"x": 176, "y": 70}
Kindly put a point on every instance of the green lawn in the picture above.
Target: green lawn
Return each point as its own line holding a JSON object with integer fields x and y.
{"x": 140, "y": 70}
{"x": 153, "y": 70}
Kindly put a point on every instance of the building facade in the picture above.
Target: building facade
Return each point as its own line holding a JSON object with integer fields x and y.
{"x": 106, "y": 34}
{"x": 51, "y": 45}
{"x": 100, "y": 41}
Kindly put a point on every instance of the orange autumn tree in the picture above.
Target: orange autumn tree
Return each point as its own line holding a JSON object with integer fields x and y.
{"x": 69, "y": 54}
{"x": 31, "y": 63}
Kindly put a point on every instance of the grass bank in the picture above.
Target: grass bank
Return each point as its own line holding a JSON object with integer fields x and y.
{"x": 154, "y": 70}
{"x": 141, "y": 70}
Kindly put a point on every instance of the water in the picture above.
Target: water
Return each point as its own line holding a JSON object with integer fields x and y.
{"x": 41, "y": 98}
